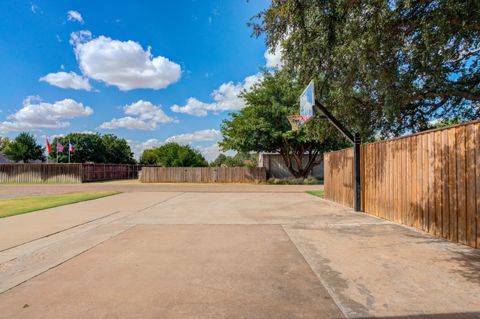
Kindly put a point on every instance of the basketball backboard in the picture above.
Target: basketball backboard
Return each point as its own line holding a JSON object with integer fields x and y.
{"x": 307, "y": 102}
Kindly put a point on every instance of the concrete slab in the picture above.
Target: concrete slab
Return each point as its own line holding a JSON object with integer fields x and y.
{"x": 387, "y": 270}
{"x": 243, "y": 208}
{"x": 126, "y": 186}
{"x": 369, "y": 266}
{"x": 179, "y": 271}
{"x": 20, "y": 229}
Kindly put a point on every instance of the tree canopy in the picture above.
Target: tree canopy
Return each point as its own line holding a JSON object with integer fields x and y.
{"x": 173, "y": 155}
{"x": 385, "y": 67}
{"x": 95, "y": 148}
{"x": 24, "y": 148}
{"x": 262, "y": 126}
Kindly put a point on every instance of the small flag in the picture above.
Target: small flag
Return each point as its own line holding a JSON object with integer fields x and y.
{"x": 70, "y": 148}
{"x": 49, "y": 147}
{"x": 59, "y": 147}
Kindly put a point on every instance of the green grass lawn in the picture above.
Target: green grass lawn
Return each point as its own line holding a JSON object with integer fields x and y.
{"x": 22, "y": 205}
{"x": 319, "y": 193}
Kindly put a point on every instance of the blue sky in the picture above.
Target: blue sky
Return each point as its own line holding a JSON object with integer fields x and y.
{"x": 148, "y": 71}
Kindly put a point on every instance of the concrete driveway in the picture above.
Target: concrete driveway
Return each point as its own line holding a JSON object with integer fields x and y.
{"x": 181, "y": 253}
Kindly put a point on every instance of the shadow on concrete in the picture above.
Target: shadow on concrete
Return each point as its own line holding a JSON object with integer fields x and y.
{"x": 467, "y": 258}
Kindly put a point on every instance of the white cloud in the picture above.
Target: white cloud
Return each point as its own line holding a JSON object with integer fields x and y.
{"x": 70, "y": 80}
{"x": 226, "y": 98}
{"x": 80, "y": 36}
{"x": 34, "y": 8}
{"x": 193, "y": 107}
{"x": 141, "y": 115}
{"x": 124, "y": 64}
{"x": 198, "y": 136}
{"x": 73, "y": 15}
{"x": 37, "y": 115}
{"x": 273, "y": 59}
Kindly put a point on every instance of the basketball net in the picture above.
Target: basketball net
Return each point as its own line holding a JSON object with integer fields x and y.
{"x": 297, "y": 120}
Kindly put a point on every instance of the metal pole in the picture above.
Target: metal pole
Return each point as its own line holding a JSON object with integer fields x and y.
{"x": 356, "y": 175}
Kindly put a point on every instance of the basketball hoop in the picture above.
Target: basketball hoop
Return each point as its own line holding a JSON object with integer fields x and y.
{"x": 296, "y": 121}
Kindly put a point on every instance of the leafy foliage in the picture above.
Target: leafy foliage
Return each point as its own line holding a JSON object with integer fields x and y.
{"x": 117, "y": 150}
{"x": 24, "y": 148}
{"x": 381, "y": 66}
{"x": 238, "y": 160}
{"x": 149, "y": 157}
{"x": 94, "y": 148}
{"x": 173, "y": 155}
{"x": 4, "y": 141}
{"x": 262, "y": 126}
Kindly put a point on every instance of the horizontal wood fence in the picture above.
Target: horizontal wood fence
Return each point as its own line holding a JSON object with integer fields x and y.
{"x": 430, "y": 181}
{"x": 202, "y": 174}
{"x": 66, "y": 173}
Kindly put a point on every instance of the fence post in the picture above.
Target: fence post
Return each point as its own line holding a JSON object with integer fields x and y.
{"x": 356, "y": 176}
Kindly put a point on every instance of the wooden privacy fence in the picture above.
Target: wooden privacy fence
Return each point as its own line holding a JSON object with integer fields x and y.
{"x": 66, "y": 173}
{"x": 202, "y": 174}
{"x": 108, "y": 172}
{"x": 430, "y": 181}
{"x": 40, "y": 173}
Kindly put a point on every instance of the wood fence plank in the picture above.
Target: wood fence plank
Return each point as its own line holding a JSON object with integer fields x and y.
{"x": 414, "y": 183}
{"x": 470, "y": 186}
{"x": 445, "y": 188}
{"x": 408, "y": 181}
{"x": 461, "y": 192}
{"x": 452, "y": 185}
{"x": 477, "y": 182}
{"x": 437, "y": 228}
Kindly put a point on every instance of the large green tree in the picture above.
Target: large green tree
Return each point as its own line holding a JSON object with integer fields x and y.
{"x": 173, "y": 155}
{"x": 117, "y": 150}
{"x": 382, "y": 66}
{"x": 24, "y": 148}
{"x": 93, "y": 148}
{"x": 262, "y": 126}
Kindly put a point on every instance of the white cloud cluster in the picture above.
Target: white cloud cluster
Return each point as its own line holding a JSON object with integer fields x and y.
{"x": 124, "y": 64}
{"x": 73, "y": 15}
{"x": 141, "y": 115}
{"x": 80, "y": 36}
{"x": 70, "y": 80}
{"x": 226, "y": 98}
{"x": 37, "y": 115}
{"x": 273, "y": 59}
{"x": 198, "y": 136}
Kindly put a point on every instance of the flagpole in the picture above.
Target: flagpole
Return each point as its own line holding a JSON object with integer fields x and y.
{"x": 69, "y": 151}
